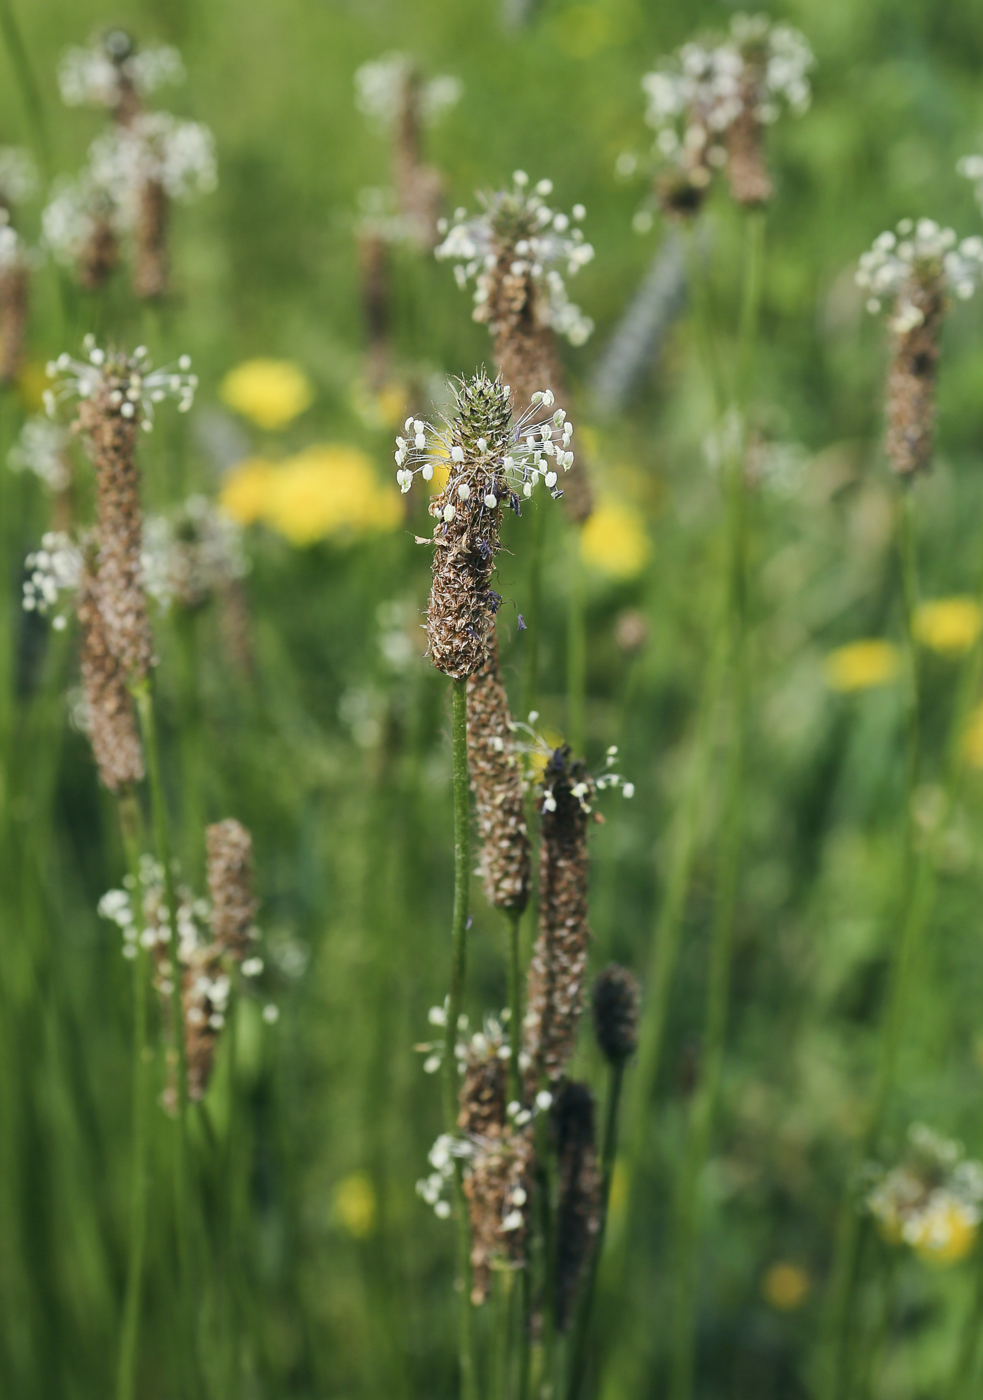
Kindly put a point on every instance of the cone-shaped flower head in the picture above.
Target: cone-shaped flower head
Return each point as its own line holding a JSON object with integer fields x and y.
{"x": 15, "y": 270}
{"x": 578, "y": 1215}
{"x": 710, "y": 103}
{"x": 110, "y": 715}
{"x": 112, "y": 72}
{"x": 915, "y": 272}
{"x": 229, "y": 847}
{"x": 615, "y": 1003}
{"x": 491, "y": 463}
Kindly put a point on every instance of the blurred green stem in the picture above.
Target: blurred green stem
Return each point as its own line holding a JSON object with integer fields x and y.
{"x": 533, "y": 618}
{"x": 158, "y": 806}
{"x": 131, "y": 829}
{"x": 515, "y": 1006}
{"x": 455, "y": 999}
{"x": 192, "y": 751}
{"x": 578, "y": 1349}
{"x": 27, "y": 82}
{"x": 576, "y": 647}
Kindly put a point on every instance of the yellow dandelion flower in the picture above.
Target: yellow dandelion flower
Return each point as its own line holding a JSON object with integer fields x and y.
{"x": 245, "y": 491}
{"x": 785, "y": 1286}
{"x": 270, "y": 392}
{"x": 862, "y": 665}
{"x": 945, "y": 1233}
{"x": 948, "y": 625}
{"x": 353, "y": 1205}
{"x": 614, "y": 541}
{"x": 330, "y": 490}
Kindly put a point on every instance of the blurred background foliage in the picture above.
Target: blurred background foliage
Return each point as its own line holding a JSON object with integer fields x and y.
{"x": 328, "y": 737}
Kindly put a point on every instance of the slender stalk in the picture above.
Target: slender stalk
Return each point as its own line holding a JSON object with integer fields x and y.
{"x": 916, "y": 890}
{"x": 515, "y": 1006}
{"x": 459, "y": 934}
{"x": 969, "y": 1341}
{"x": 27, "y": 82}
{"x": 577, "y": 1351}
{"x": 192, "y": 753}
{"x": 500, "y": 1381}
{"x": 576, "y": 648}
{"x": 525, "y": 1335}
{"x": 158, "y": 807}
{"x": 131, "y": 828}
{"x": 533, "y": 617}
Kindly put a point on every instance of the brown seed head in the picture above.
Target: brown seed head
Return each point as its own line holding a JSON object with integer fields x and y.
{"x": 151, "y": 275}
{"x": 111, "y": 718}
{"x": 15, "y": 282}
{"x": 910, "y": 433}
{"x": 615, "y": 999}
{"x": 229, "y": 848}
{"x": 579, "y": 1209}
{"x": 497, "y": 783}
{"x": 559, "y": 961}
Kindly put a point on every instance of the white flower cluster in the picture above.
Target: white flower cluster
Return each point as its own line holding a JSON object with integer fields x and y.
{"x": 536, "y": 450}
{"x": 12, "y": 250}
{"x": 381, "y": 84}
{"x": 191, "y": 554}
{"x": 42, "y": 448}
{"x": 920, "y": 252}
{"x": 53, "y": 570}
{"x": 72, "y": 215}
{"x": 546, "y": 239}
{"x": 971, "y": 168}
{"x": 155, "y": 148}
{"x": 18, "y": 175}
{"x": 138, "y": 388}
{"x": 694, "y": 99}
{"x": 544, "y": 759}
{"x": 95, "y": 75}
{"x": 933, "y": 1198}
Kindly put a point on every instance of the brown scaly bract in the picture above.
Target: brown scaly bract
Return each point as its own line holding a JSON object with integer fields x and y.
{"x": 911, "y": 381}
{"x": 150, "y": 267}
{"x": 229, "y": 848}
{"x": 466, "y": 545}
{"x": 496, "y": 780}
{"x": 559, "y": 961}
{"x": 497, "y": 1178}
{"x": 747, "y": 171}
{"x": 111, "y": 718}
{"x": 579, "y": 1210}
{"x": 110, "y": 438}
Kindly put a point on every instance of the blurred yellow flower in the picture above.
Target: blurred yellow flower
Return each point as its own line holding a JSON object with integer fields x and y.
{"x": 270, "y": 392}
{"x": 329, "y": 490}
{"x": 614, "y": 541}
{"x": 353, "y": 1205}
{"x": 861, "y": 665}
{"x": 785, "y": 1286}
{"x": 948, "y": 625}
{"x": 31, "y": 384}
{"x": 945, "y": 1232}
{"x": 973, "y": 738}
{"x": 246, "y": 489}
{"x": 538, "y": 760}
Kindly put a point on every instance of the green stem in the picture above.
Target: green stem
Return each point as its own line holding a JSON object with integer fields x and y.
{"x": 192, "y": 753}
{"x": 525, "y": 1332}
{"x": 131, "y": 828}
{"x": 455, "y": 1000}
{"x": 969, "y": 1341}
{"x": 515, "y": 1006}
{"x": 577, "y": 1369}
{"x": 576, "y": 648}
{"x": 533, "y": 617}
{"x": 27, "y": 82}
{"x": 158, "y": 807}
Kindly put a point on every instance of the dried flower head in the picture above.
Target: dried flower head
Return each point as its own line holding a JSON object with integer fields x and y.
{"x": 230, "y": 886}
{"x": 42, "y": 448}
{"x": 496, "y": 778}
{"x": 192, "y": 554}
{"x": 110, "y": 715}
{"x": 381, "y": 84}
{"x": 112, "y": 72}
{"x": 915, "y": 272}
{"x": 515, "y": 250}
{"x": 578, "y": 1215}
{"x": 709, "y": 103}
{"x": 81, "y": 227}
{"x": 15, "y": 266}
{"x": 615, "y": 1003}
{"x": 498, "y": 1165}
{"x": 18, "y": 176}
{"x": 489, "y": 460}
{"x": 932, "y": 1201}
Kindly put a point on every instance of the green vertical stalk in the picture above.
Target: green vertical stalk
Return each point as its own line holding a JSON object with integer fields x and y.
{"x": 515, "y": 1006}
{"x": 455, "y": 1000}
{"x": 578, "y": 1350}
{"x": 27, "y": 82}
{"x": 576, "y": 647}
{"x": 192, "y": 753}
{"x": 533, "y": 618}
{"x": 131, "y": 828}
{"x": 158, "y": 807}
{"x": 916, "y": 890}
